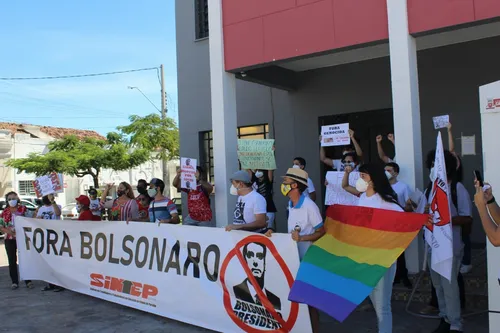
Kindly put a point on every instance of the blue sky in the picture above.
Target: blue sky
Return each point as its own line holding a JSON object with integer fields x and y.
{"x": 62, "y": 37}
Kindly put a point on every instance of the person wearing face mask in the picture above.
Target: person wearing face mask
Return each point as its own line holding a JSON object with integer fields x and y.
{"x": 305, "y": 223}
{"x": 124, "y": 207}
{"x": 263, "y": 184}
{"x": 403, "y": 192}
{"x": 339, "y": 164}
{"x": 162, "y": 209}
{"x": 449, "y": 296}
{"x": 200, "y": 212}
{"x": 50, "y": 209}
{"x": 7, "y": 227}
{"x": 95, "y": 204}
{"x": 300, "y": 163}
{"x": 375, "y": 191}
{"x": 83, "y": 209}
{"x": 250, "y": 211}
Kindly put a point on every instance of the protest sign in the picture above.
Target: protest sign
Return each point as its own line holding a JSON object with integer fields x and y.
{"x": 335, "y": 135}
{"x": 335, "y": 194}
{"x": 188, "y": 173}
{"x": 50, "y": 184}
{"x": 201, "y": 276}
{"x": 441, "y": 121}
{"x": 256, "y": 154}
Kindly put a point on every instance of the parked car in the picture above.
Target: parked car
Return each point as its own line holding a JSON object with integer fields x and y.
{"x": 69, "y": 212}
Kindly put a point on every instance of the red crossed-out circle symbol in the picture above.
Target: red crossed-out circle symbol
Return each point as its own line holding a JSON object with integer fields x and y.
{"x": 287, "y": 325}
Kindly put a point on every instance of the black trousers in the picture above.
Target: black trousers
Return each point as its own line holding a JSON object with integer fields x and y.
{"x": 401, "y": 270}
{"x": 461, "y": 287}
{"x": 11, "y": 249}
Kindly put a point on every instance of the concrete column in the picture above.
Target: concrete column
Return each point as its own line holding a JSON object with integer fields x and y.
{"x": 224, "y": 125}
{"x": 406, "y": 106}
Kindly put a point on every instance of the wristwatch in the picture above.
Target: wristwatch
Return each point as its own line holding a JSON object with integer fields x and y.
{"x": 491, "y": 201}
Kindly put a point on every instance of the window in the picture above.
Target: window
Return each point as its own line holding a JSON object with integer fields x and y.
{"x": 26, "y": 187}
{"x": 201, "y": 10}
{"x": 246, "y": 132}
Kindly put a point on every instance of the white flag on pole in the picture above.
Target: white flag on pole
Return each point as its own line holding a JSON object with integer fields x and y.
{"x": 439, "y": 234}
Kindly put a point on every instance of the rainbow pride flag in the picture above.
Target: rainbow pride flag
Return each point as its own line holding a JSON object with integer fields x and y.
{"x": 341, "y": 268}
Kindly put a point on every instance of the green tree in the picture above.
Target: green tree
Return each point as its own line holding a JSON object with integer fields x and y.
{"x": 154, "y": 134}
{"x": 80, "y": 157}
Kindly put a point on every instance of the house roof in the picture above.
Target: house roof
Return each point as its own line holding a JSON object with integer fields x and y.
{"x": 54, "y": 132}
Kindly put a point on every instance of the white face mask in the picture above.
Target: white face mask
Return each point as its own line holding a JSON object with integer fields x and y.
{"x": 388, "y": 175}
{"x": 13, "y": 203}
{"x": 233, "y": 190}
{"x": 361, "y": 185}
{"x": 152, "y": 192}
{"x": 259, "y": 174}
{"x": 78, "y": 208}
{"x": 295, "y": 166}
{"x": 432, "y": 174}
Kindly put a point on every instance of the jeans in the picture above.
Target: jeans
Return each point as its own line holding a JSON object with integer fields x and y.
{"x": 461, "y": 288}
{"x": 11, "y": 249}
{"x": 467, "y": 250}
{"x": 448, "y": 294}
{"x": 270, "y": 220}
{"x": 381, "y": 300}
{"x": 189, "y": 221}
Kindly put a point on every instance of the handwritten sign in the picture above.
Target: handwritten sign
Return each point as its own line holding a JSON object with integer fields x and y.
{"x": 188, "y": 173}
{"x": 335, "y": 135}
{"x": 256, "y": 154}
{"x": 335, "y": 194}
{"x": 441, "y": 121}
{"x": 50, "y": 184}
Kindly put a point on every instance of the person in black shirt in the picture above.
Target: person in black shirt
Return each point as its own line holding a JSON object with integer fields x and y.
{"x": 263, "y": 184}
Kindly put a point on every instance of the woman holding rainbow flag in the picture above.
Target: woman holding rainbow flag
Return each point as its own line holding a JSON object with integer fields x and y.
{"x": 375, "y": 191}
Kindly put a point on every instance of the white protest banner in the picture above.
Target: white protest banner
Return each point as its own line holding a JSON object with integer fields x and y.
{"x": 335, "y": 194}
{"x": 439, "y": 234}
{"x": 224, "y": 281}
{"x": 335, "y": 135}
{"x": 256, "y": 154}
{"x": 188, "y": 173}
{"x": 50, "y": 184}
{"x": 441, "y": 121}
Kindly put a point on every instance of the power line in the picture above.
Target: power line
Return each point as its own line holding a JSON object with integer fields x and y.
{"x": 75, "y": 76}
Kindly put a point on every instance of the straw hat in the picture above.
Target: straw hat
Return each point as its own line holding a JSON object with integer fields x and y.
{"x": 298, "y": 175}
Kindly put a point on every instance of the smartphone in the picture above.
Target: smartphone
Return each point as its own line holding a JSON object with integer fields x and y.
{"x": 479, "y": 178}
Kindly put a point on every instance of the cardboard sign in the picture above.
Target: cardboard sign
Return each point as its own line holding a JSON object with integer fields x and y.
{"x": 335, "y": 135}
{"x": 441, "y": 121}
{"x": 188, "y": 173}
{"x": 335, "y": 194}
{"x": 256, "y": 154}
{"x": 49, "y": 184}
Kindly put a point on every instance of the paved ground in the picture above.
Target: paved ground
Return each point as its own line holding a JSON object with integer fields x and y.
{"x": 33, "y": 311}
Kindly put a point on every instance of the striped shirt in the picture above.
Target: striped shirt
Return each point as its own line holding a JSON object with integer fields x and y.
{"x": 161, "y": 209}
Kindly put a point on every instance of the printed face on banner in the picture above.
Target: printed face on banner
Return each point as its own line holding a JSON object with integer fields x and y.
{"x": 256, "y": 300}
{"x": 188, "y": 173}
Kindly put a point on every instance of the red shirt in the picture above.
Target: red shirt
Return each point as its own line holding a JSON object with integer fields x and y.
{"x": 86, "y": 215}
{"x": 7, "y": 216}
{"x": 199, "y": 205}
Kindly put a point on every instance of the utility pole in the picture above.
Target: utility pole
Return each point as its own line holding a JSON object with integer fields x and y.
{"x": 166, "y": 176}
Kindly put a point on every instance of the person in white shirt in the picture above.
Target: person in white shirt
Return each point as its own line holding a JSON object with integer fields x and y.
{"x": 305, "y": 222}
{"x": 49, "y": 211}
{"x": 251, "y": 207}
{"x": 300, "y": 163}
{"x": 95, "y": 203}
{"x": 354, "y": 151}
{"x": 403, "y": 192}
{"x": 374, "y": 191}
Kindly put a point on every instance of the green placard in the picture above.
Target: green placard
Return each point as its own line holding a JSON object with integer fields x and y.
{"x": 256, "y": 154}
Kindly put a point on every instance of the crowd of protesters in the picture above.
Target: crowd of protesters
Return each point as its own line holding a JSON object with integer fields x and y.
{"x": 378, "y": 187}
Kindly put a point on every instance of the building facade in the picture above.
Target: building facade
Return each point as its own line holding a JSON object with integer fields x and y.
{"x": 280, "y": 69}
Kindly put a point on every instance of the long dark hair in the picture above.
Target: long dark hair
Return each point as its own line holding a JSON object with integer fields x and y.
{"x": 8, "y": 195}
{"x": 380, "y": 182}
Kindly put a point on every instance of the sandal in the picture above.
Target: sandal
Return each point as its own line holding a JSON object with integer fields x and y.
{"x": 14, "y": 286}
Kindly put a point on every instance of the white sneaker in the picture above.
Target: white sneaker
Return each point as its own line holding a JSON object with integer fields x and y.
{"x": 464, "y": 269}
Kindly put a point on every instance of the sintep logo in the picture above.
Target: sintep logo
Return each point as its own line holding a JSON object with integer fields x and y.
{"x": 493, "y": 103}
{"x": 132, "y": 288}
